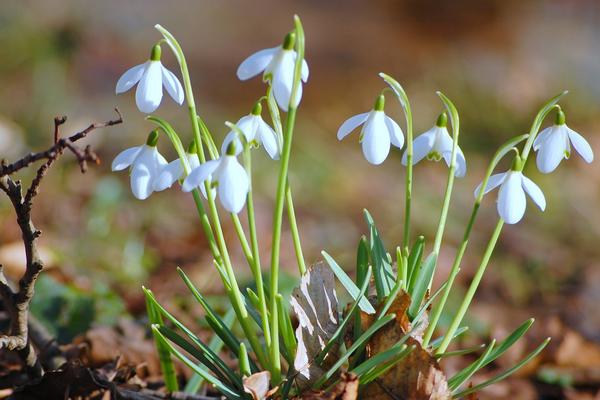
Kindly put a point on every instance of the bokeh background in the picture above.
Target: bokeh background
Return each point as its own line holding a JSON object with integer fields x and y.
{"x": 498, "y": 61}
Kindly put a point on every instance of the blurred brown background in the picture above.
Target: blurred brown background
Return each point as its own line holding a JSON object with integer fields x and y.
{"x": 497, "y": 60}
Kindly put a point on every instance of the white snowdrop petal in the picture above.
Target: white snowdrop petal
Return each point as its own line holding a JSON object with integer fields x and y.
{"x": 396, "y": 136}
{"x": 173, "y": 86}
{"x": 198, "y": 175}
{"x": 351, "y": 124}
{"x": 376, "y": 139}
{"x": 268, "y": 138}
{"x": 304, "y": 71}
{"x": 543, "y": 135}
{"x": 141, "y": 181}
{"x": 493, "y": 182}
{"x": 125, "y": 158}
{"x": 193, "y": 160}
{"x": 283, "y": 79}
{"x": 511, "y": 199}
{"x": 130, "y": 78}
{"x": 581, "y": 146}
{"x": 461, "y": 164}
{"x": 552, "y": 151}
{"x": 422, "y": 145}
{"x": 248, "y": 124}
{"x": 256, "y": 63}
{"x": 534, "y": 192}
{"x": 172, "y": 172}
{"x": 148, "y": 94}
{"x": 233, "y": 185}
{"x": 231, "y": 136}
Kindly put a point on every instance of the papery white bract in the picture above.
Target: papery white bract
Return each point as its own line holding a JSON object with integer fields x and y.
{"x": 436, "y": 144}
{"x": 151, "y": 76}
{"x": 378, "y": 132}
{"x": 554, "y": 143}
{"x": 277, "y": 64}
{"x": 230, "y": 177}
{"x": 255, "y": 130}
{"x": 511, "y": 196}
{"x": 146, "y": 165}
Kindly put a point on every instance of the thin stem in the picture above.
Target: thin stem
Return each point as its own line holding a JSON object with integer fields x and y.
{"x": 294, "y": 229}
{"x": 472, "y": 288}
{"x": 239, "y": 230}
{"x": 256, "y": 266}
{"x": 409, "y": 174}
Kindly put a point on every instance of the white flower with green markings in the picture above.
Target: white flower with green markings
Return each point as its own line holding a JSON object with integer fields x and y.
{"x": 553, "y": 144}
{"x": 436, "y": 144}
{"x": 146, "y": 164}
{"x": 227, "y": 174}
{"x": 378, "y": 132}
{"x": 150, "y": 77}
{"x": 277, "y": 65}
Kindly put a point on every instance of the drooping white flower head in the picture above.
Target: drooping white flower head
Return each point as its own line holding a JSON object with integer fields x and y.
{"x": 554, "y": 143}
{"x": 151, "y": 76}
{"x": 436, "y": 144}
{"x": 511, "y": 201}
{"x": 174, "y": 171}
{"x": 378, "y": 132}
{"x": 227, "y": 174}
{"x": 277, "y": 65}
{"x": 146, "y": 165}
{"x": 256, "y": 131}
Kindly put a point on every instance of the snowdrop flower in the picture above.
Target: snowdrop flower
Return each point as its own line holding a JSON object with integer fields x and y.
{"x": 174, "y": 170}
{"x": 377, "y": 134}
{"x": 227, "y": 174}
{"x": 256, "y": 131}
{"x": 513, "y": 184}
{"x": 146, "y": 164}
{"x": 151, "y": 76}
{"x": 436, "y": 144}
{"x": 277, "y": 64}
{"x": 554, "y": 143}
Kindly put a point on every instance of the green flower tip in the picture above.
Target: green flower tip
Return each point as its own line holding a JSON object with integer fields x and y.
{"x": 155, "y": 53}
{"x": 379, "y": 103}
{"x": 442, "y": 120}
{"x": 289, "y": 41}
{"x": 152, "y": 138}
{"x": 517, "y": 164}
{"x": 257, "y": 109}
{"x": 560, "y": 117}
{"x": 231, "y": 148}
{"x": 192, "y": 149}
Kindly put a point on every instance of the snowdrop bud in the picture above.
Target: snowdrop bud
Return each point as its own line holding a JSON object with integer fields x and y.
{"x": 155, "y": 53}
{"x": 442, "y": 120}
{"x": 257, "y": 109}
{"x": 152, "y": 138}
{"x": 379, "y": 103}
{"x": 289, "y": 41}
{"x": 560, "y": 118}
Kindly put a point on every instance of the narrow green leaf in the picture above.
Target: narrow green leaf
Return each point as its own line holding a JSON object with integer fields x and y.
{"x": 243, "y": 361}
{"x": 468, "y": 372}
{"x": 421, "y": 284}
{"x": 459, "y": 352}
{"x": 362, "y": 265}
{"x": 382, "y": 268}
{"x": 390, "y": 300}
{"x": 414, "y": 263}
{"x": 504, "y": 374}
{"x": 345, "y": 280}
{"x": 223, "y": 388}
{"x": 434, "y": 344}
{"x": 342, "y": 327}
{"x": 385, "y": 367}
{"x": 429, "y": 301}
{"x": 362, "y": 339}
{"x": 286, "y": 330}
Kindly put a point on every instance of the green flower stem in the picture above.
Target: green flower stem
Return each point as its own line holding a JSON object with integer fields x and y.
{"x": 472, "y": 288}
{"x": 256, "y": 266}
{"x": 235, "y": 294}
{"x": 239, "y": 230}
{"x": 279, "y": 203}
{"x": 294, "y": 229}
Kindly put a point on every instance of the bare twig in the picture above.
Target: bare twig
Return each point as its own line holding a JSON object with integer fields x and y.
{"x": 16, "y": 301}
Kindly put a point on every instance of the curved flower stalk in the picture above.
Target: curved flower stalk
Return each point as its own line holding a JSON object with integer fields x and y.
{"x": 256, "y": 131}
{"x": 378, "y": 132}
{"x": 553, "y": 144}
{"x": 150, "y": 77}
{"x": 277, "y": 65}
{"x": 511, "y": 196}
{"x": 146, "y": 164}
{"x": 229, "y": 176}
{"x": 435, "y": 144}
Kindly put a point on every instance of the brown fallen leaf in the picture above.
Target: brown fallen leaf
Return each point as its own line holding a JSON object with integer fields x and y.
{"x": 316, "y": 306}
{"x": 346, "y": 389}
{"x": 257, "y": 385}
{"x": 418, "y": 376}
